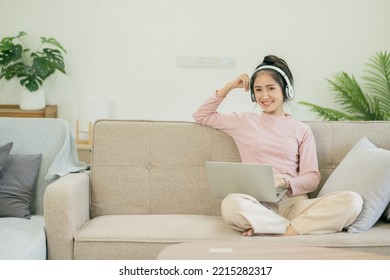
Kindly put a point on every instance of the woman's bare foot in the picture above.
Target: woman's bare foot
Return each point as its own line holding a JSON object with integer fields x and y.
{"x": 248, "y": 232}
{"x": 291, "y": 231}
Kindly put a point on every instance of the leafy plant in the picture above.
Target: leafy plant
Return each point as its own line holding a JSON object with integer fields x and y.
{"x": 32, "y": 68}
{"x": 372, "y": 103}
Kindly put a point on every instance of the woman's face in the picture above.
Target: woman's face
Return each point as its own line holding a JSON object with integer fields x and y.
{"x": 268, "y": 94}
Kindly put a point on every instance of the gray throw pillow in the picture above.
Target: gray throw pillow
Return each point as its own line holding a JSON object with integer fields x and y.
{"x": 4, "y": 152}
{"x": 365, "y": 170}
{"x": 17, "y": 179}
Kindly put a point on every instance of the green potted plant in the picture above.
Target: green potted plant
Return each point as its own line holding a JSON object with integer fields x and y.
{"x": 32, "y": 68}
{"x": 371, "y": 102}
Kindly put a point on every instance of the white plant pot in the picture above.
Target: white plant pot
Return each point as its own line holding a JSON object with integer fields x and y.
{"x": 32, "y": 100}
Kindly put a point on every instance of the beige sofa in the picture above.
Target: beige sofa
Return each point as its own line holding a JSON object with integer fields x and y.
{"x": 147, "y": 189}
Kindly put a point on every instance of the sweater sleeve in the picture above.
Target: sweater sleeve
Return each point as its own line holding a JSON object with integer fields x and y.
{"x": 207, "y": 114}
{"x": 308, "y": 174}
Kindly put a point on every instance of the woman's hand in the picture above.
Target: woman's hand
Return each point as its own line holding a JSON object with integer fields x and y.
{"x": 281, "y": 179}
{"x": 241, "y": 81}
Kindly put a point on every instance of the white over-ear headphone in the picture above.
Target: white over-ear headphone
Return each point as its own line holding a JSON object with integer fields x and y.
{"x": 289, "y": 90}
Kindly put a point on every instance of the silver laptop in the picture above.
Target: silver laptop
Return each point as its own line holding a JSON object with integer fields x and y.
{"x": 256, "y": 180}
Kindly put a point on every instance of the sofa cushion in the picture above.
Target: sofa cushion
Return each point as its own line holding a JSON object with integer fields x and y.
{"x": 4, "y": 152}
{"x": 144, "y": 236}
{"x": 365, "y": 170}
{"x": 17, "y": 179}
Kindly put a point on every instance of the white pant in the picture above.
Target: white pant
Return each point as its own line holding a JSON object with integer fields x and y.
{"x": 327, "y": 214}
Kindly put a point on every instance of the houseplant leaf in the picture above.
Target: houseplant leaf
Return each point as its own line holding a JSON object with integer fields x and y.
{"x": 32, "y": 83}
{"x": 378, "y": 79}
{"x": 328, "y": 113}
{"x": 30, "y": 79}
{"x": 370, "y": 103}
{"x": 12, "y": 70}
{"x": 53, "y": 42}
{"x": 53, "y": 59}
{"x": 32, "y": 68}
{"x": 10, "y": 53}
{"x": 349, "y": 94}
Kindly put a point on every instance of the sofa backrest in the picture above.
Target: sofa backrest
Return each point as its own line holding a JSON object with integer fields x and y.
{"x": 146, "y": 167}
{"x": 157, "y": 167}
{"x": 49, "y": 137}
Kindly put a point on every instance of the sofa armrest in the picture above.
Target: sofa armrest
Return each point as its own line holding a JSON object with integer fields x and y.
{"x": 66, "y": 210}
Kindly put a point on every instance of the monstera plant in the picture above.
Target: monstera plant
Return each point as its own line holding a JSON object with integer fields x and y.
{"x": 368, "y": 102}
{"x": 30, "y": 67}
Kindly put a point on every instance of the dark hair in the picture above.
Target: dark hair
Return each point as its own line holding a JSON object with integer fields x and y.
{"x": 280, "y": 63}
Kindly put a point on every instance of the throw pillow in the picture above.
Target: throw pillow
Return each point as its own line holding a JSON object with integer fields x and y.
{"x": 365, "y": 170}
{"x": 4, "y": 152}
{"x": 17, "y": 179}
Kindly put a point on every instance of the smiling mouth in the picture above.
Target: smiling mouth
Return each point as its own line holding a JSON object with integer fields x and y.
{"x": 267, "y": 102}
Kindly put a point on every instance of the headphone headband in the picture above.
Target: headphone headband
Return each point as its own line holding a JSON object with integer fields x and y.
{"x": 289, "y": 90}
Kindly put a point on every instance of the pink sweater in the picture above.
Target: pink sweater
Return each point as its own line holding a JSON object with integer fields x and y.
{"x": 284, "y": 143}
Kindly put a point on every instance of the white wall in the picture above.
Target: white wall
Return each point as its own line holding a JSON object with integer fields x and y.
{"x": 125, "y": 50}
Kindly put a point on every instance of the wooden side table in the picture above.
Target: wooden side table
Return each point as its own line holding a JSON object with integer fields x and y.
{"x": 13, "y": 111}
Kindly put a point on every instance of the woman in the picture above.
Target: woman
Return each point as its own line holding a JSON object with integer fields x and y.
{"x": 273, "y": 137}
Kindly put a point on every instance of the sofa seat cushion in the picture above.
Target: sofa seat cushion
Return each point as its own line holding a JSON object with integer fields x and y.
{"x": 144, "y": 236}
{"x": 22, "y": 239}
{"x": 154, "y": 228}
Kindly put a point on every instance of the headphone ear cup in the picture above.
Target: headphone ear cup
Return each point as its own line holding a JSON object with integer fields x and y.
{"x": 289, "y": 92}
